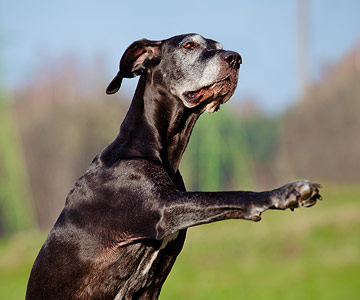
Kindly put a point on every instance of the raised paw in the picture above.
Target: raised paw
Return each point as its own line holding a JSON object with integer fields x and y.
{"x": 296, "y": 194}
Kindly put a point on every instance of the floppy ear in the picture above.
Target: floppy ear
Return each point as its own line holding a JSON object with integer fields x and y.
{"x": 139, "y": 56}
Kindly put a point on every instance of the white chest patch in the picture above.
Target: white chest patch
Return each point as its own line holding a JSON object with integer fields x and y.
{"x": 143, "y": 268}
{"x": 165, "y": 241}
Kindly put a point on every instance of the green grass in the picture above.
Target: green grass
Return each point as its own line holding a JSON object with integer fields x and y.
{"x": 307, "y": 254}
{"x": 17, "y": 255}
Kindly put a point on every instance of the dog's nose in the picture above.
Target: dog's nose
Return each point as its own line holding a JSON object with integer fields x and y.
{"x": 233, "y": 58}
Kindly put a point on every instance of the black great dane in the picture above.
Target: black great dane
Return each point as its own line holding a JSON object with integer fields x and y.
{"x": 124, "y": 223}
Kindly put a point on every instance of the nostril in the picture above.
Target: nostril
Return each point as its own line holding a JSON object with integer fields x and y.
{"x": 232, "y": 58}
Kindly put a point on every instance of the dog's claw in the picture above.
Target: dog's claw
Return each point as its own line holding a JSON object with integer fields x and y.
{"x": 296, "y": 194}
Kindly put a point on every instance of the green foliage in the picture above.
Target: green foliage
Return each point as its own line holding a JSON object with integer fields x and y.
{"x": 218, "y": 156}
{"x": 15, "y": 210}
{"x": 263, "y": 136}
{"x": 225, "y": 150}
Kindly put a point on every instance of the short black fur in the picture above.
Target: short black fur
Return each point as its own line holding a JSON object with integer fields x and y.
{"x": 124, "y": 222}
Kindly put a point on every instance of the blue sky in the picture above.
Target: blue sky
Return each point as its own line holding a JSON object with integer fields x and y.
{"x": 262, "y": 31}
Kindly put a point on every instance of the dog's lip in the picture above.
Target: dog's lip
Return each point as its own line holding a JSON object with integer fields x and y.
{"x": 193, "y": 97}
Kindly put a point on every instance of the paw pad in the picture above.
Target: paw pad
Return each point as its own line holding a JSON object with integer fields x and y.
{"x": 300, "y": 193}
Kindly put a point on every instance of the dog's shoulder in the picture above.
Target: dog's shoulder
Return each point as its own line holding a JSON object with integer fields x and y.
{"x": 122, "y": 201}
{"x": 127, "y": 176}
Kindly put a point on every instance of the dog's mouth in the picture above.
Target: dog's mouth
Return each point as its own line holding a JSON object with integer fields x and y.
{"x": 194, "y": 97}
{"x": 218, "y": 90}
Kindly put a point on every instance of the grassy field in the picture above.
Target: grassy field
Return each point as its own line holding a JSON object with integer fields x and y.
{"x": 307, "y": 254}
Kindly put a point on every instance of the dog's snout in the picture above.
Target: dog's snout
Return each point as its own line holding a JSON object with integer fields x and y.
{"x": 233, "y": 58}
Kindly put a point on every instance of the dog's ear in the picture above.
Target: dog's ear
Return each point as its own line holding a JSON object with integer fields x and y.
{"x": 139, "y": 56}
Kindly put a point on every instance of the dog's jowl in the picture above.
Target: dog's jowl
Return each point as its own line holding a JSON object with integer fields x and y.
{"x": 125, "y": 220}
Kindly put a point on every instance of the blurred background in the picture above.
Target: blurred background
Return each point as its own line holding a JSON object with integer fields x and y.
{"x": 295, "y": 115}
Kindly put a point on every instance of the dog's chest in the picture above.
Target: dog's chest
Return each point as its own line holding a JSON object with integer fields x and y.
{"x": 142, "y": 278}
{"x": 147, "y": 265}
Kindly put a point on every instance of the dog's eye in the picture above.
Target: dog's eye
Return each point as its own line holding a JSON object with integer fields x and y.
{"x": 190, "y": 45}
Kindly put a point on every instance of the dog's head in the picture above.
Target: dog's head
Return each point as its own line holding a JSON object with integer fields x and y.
{"x": 193, "y": 69}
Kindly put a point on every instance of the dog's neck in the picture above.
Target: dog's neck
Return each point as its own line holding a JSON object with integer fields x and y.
{"x": 157, "y": 127}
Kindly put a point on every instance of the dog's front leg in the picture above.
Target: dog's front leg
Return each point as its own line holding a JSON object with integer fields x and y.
{"x": 185, "y": 209}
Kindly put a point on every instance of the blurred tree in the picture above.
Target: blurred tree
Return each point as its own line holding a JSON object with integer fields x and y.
{"x": 217, "y": 157}
{"x": 65, "y": 119}
{"x": 59, "y": 144}
{"x": 263, "y": 135}
{"x": 321, "y": 136}
{"x": 15, "y": 210}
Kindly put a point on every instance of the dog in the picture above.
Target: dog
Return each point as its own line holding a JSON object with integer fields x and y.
{"x": 124, "y": 222}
